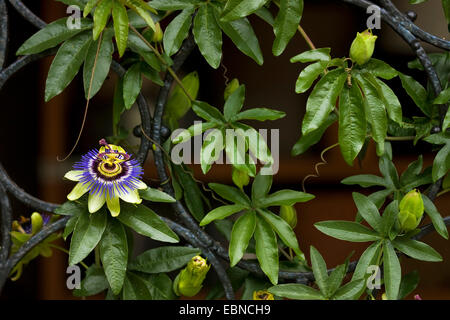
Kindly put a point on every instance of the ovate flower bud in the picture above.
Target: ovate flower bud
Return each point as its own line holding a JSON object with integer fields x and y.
{"x": 240, "y": 177}
{"x": 158, "y": 34}
{"x": 36, "y": 222}
{"x": 262, "y": 295}
{"x": 231, "y": 87}
{"x": 190, "y": 280}
{"x": 413, "y": 203}
{"x": 408, "y": 221}
{"x": 288, "y": 214}
{"x": 362, "y": 47}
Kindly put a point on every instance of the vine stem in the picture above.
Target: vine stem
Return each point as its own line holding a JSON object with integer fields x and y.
{"x": 163, "y": 61}
{"x": 405, "y": 138}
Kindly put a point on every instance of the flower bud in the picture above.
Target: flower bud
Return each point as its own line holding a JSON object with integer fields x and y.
{"x": 36, "y": 222}
{"x": 362, "y": 47}
{"x": 262, "y": 295}
{"x": 240, "y": 178}
{"x": 413, "y": 203}
{"x": 231, "y": 87}
{"x": 190, "y": 280}
{"x": 289, "y": 214}
{"x": 158, "y": 34}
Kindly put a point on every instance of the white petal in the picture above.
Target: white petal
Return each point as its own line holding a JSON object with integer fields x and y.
{"x": 113, "y": 205}
{"x": 130, "y": 196}
{"x": 95, "y": 202}
{"x": 77, "y": 191}
{"x": 74, "y": 175}
{"x": 140, "y": 184}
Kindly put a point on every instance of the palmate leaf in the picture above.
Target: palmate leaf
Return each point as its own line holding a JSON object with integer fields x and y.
{"x": 177, "y": 31}
{"x": 241, "y": 234}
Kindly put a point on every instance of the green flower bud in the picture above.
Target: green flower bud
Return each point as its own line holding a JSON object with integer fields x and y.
{"x": 362, "y": 47}
{"x": 262, "y": 295}
{"x": 240, "y": 178}
{"x": 288, "y": 214}
{"x": 413, "y": 203}
{"x": 189, "y": 281}
{"x": 158, "y": 34}
{"x": 36, "y": 222}
{"x": 408, "y": 221}
{"x": 231, "y": 87}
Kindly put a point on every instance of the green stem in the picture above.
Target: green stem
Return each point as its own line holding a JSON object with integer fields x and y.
{"x": 405, "y": 138}
{"x": 442, "y": 192}
{"x": 66, "y": 251}
{"x": 163, "y": 61}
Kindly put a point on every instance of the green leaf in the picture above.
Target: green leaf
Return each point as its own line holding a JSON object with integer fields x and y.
{"x": 90, "y": 4}
{"x": 177, "y": 31}
{"x": 174, "y": 4}
{"x": 241, "y": 234}
{"x": 160, "y": 286}
{"x": 101, "y": 16}
{"x": 71, "y": 208}
{"x": 368, "y": 258}
{"x": 285, "y": 197}
{"x": 389, "y": 172}
{"x": 392, "y": 271}
{"x": 86, "y": 235}
{"x": 322, "y": 54}
{"x": 267, "y": 249}
{"x": 120, "y": 18}
{"x": 235, "y": 9}
{"x": 212, "y": 149}
{"x": 335, "y": 279}
{"x": 137, "y": 45}
{"x": 260, "y": 114}
{"x": 265, "y": 14}
{"x": 207, "y": 35}
{"x": 207, "y": 112}
{"x": 352, "y": 122}
{"x": 163, "y": 259}
{"x": 132, "y": 84}
{"x": 417, "y": 250}
{"x": 221, "y": 213}
{"x": 417, "y": 92}
{"x": 365, "y": 180}
{"x": 66, "y": 64}
{"x": 306, "y": 141}
{"x": 380, "y": 69}
{"x": 283, "y": 229}
{"x": 320, "y": 270}
{"x": 118, "y": 103}
{"x": 446, "y": 123}
{"x": 350, "y": 291}
{"x": 261, "y": 186}
{"x": 411, "y": 173}
{"x": 143, "y": 10}
{"x": 114, "y": 254}
{"x": 443, "y": 97}
{"x": 146, "y": 222}
{"x": 97, "y": 71}
{"x": 156, "y": 195}
{"x": 375, "y": 112}
{"x": 53, "y": 34}
{"x": 389, "y": 217}
{"x": 435, "y": 216}
{"x": 230, "y": 193}
{"x": 234, "y": 103}
{"x": 368, "y": 211}
{"x": 93, "y": 283}
{"x": 309, "y": 75}
{"x": 409, "y": 284}
{"x": 70, "y": 226}
{"x": 446, "y": 8}
{"x": 286, "y": 24}
{"x": 243, "y": 36}
{"x": 135, "y": 288}
{"x": 390, "y": 100}
{"x": 251, "y": 285}
{"x": 150, "y": 74}
{"x": 323, "y": 99}
{"x": 296, "y": 291}
{"x": 347, "y": 230}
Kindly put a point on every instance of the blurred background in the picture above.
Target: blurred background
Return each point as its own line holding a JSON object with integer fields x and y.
{"x": 34, "y": 133}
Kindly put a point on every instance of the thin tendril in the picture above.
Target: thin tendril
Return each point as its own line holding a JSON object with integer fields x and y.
{"x": 317, "y": 165}
{"x": 87, "y": 102}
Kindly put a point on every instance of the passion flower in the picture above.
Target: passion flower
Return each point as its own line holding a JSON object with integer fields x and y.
{"x": 262, "y": 295}
{"x": 107, "y": 174}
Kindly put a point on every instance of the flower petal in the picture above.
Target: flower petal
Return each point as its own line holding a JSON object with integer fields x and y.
{"x": 77, "y": 191}
{"x": 140, "y": 184}
{"x": 95, "y": 202}
{"x": 130, "y": 196}
{"x": 113, "y": 205}
{"x": 74, "y": 175}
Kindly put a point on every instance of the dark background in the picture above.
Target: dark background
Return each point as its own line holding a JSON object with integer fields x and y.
{"x": 34, "y": 133}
